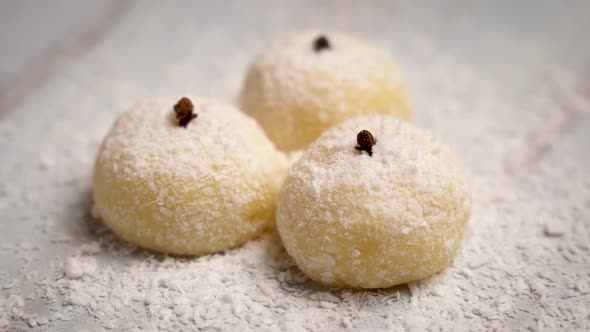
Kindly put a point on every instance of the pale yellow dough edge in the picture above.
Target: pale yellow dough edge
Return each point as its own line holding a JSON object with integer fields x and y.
{"x": 350, "y": 220}
{"x": 193, "y": 191}
{"x": 296, "y": 93}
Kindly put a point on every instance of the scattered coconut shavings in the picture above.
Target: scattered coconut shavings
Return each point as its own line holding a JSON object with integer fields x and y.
{"x": 508, "y": 275}
{"x": 76, "y": 268}
{"x": 553, "y": 230}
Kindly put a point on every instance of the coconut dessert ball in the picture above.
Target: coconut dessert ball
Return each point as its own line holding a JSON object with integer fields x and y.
{"x": 373, "y": 203}
{"x": 190, "y": 177}
{"x": 307, "y": 82}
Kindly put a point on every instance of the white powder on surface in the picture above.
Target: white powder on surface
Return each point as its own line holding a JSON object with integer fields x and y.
{"x": 63, "y": 270}
{"x": 76, "y": 268}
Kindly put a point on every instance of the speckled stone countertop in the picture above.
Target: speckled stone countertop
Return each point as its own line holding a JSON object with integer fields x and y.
{"x": 506, "y": 85}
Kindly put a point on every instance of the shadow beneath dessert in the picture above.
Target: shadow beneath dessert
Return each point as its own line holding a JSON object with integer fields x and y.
{"x": 294, "y": 281}
{"x": 266, "y": 252}
{"x": 86, "y": 229}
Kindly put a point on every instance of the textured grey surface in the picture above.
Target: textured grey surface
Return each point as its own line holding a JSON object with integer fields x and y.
{"x": 48, "y": 139}
{"x": 30, "y": 28}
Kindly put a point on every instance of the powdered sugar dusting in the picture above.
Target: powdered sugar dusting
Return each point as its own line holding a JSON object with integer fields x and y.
{"x": 296, "y": 93}
{"x": 408, "y": 199}
{"x": 200, "y": 189}
{"x": 499, "y": 122}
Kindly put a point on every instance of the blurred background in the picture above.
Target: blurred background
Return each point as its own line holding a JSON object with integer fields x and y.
{"x": 149, "y": 40}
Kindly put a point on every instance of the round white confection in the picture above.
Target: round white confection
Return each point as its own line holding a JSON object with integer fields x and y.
{"x": 353, "y": 220}
{"x": 195, "y": 190}
{"x": 296, "y": 92}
